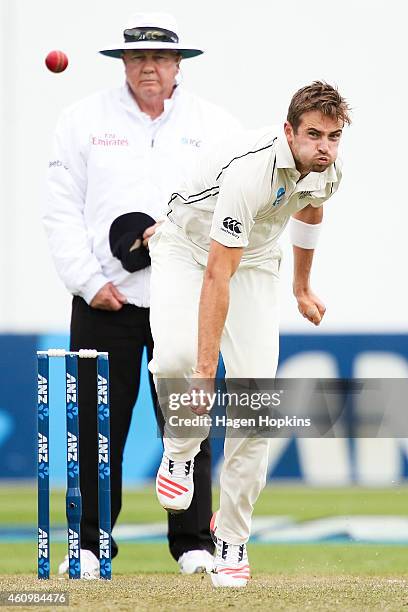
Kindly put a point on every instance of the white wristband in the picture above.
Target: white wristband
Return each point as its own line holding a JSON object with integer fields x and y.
{"x": 304, "y": 235}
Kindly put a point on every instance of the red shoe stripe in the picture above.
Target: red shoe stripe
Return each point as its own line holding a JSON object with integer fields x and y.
{"x": 212, "y": 523}
{"x": 174, "y": 484}
{"x": 233, "y": 570}
{"x": 241, "y": 576}
{"x": 236, "y": 572}
{"x": 162, "y": 492}
{"x": 166, "y": 486}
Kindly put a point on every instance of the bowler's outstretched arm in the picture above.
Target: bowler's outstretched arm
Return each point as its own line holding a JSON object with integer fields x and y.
{"x": 309, "y": 305}
{"x": 214, "y": 301}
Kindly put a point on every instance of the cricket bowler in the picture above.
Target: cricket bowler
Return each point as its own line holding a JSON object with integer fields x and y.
{"x": 214, "y": 287}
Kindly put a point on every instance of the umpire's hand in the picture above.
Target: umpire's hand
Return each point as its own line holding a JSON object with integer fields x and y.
{"x": 149, "y": 233}
{"x": 108, "y": 298}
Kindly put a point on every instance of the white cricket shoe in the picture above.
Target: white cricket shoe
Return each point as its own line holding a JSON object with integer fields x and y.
{"x": 231, "y": 567}
{"x": 196, "y": 562}
{"x": 174, "y": 484}
{"x": 89, "y": 565}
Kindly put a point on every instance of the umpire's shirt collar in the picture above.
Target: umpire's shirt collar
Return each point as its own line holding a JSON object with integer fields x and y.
{"x": 131, "y": 106}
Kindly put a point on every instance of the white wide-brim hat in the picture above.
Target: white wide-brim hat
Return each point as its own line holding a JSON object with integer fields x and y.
{"x": 151, "y": 31}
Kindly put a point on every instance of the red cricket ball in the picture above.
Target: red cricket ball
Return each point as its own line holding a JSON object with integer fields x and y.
{"x": 56, "y": 61}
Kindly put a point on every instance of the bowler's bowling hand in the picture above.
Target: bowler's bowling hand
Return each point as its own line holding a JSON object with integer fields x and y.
{"x": 201, "y": 392}
{"x": 311, "y": 307}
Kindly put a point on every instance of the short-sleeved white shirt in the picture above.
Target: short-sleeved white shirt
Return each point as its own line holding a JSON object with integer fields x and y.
{"x": 243, "y": 194}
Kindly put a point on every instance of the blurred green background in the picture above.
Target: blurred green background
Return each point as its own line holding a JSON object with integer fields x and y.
{"x": 18, "y": 508}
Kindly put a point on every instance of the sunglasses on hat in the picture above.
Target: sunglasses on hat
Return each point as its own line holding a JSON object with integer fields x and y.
{"x": 150, "y": 34}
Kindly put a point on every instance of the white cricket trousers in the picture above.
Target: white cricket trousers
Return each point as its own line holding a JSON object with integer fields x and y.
{"x": 249, "y": 346}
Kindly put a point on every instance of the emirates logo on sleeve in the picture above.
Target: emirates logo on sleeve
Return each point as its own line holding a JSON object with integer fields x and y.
{"x": 232, "y": 226}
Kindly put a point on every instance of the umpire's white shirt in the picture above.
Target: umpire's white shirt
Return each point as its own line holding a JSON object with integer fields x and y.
{"x": 243, "y": 194}
{"x": 110, "y": 159}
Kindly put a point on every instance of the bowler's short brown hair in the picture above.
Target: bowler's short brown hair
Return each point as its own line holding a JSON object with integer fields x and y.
{"x": 318, "y": 96}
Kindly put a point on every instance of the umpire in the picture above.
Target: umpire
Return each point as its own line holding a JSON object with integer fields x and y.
{"x": 118, "y": 156}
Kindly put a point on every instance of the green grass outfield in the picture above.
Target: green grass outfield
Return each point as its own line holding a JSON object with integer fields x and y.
{"x": 18, "y": 507}
{"x": 289, "y": 577}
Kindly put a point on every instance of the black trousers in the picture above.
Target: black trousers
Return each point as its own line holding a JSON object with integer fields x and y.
{"x": 124, "y": 334}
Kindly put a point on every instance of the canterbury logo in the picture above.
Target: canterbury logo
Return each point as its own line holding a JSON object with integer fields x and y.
{"x": 232, "y": 224}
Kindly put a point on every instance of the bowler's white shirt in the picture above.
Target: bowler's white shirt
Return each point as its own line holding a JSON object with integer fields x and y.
{"x": 244, "y": 192}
